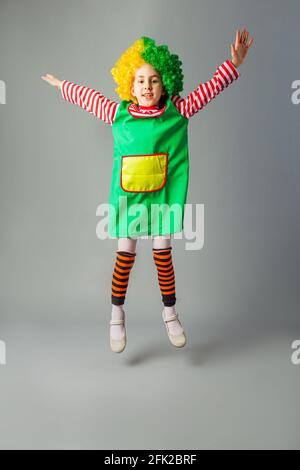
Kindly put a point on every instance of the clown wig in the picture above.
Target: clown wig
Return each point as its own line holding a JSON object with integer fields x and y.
{"x": 144, "y": 50}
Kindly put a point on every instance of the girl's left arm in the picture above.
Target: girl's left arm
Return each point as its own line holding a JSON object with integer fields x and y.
{"x": 225, "y": 74}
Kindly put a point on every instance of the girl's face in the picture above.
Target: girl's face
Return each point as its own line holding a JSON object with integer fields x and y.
{"x": 147, "y": 86}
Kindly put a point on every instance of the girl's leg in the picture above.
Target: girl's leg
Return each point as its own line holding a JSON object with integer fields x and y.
{"x": 125, "y": 257}
{"x": 161, "y": 252}
{"x": 162, "y": 256}
{"x": 162, "y": 241}
{"x": 127, "y": 244}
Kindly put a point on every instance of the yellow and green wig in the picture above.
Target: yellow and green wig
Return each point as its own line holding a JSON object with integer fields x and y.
{"x": 144, "y": 50}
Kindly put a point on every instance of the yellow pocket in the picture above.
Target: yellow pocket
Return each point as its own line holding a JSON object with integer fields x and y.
{"x": 144, "y": 173}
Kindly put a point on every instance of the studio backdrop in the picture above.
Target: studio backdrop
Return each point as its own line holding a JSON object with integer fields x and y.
{"x": 236, "y": 383}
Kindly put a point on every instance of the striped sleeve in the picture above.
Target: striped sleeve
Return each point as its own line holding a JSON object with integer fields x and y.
{"x": 91, "y": 100}
{"x": 226, "y": 74}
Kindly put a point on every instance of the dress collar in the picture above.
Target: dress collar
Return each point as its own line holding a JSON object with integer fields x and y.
{"x": 145, "y": 111}
{"x": 148, "y": 107}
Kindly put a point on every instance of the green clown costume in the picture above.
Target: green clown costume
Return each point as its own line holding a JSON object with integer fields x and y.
{"x": 150, "y": 173}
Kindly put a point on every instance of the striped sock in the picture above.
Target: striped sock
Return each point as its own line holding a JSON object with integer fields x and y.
{"x": 120, "y": 277}
{"x": 166, "y": 276}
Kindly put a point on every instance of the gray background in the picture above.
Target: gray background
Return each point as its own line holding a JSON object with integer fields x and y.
{"x": 233, "y": 385}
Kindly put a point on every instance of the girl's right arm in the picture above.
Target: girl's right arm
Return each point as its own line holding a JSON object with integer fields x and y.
{"x": 87, "y": 98}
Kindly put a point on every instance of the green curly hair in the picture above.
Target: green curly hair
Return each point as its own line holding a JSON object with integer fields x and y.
{"x": 144, "y": 50}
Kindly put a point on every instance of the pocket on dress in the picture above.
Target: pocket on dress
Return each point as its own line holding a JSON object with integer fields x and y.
{"x": 144, "y": 173}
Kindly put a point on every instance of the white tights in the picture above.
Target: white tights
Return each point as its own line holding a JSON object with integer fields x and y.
{"x": 129, "y": 244}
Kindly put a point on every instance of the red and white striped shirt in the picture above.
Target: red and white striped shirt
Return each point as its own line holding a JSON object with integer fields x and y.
{"x": 97, "y": 104}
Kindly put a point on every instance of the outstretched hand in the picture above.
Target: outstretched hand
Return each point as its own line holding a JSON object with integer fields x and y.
{"x": 240, "y": 49}
{"x": 52, "y": 80}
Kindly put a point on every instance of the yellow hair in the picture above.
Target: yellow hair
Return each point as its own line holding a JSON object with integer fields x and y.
{"x": 124, "y": 69}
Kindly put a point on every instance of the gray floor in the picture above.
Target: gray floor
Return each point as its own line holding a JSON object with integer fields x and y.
{"x": 232, "y": 386}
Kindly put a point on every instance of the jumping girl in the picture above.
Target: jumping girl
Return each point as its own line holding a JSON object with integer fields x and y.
{"x": 151, "y": 161}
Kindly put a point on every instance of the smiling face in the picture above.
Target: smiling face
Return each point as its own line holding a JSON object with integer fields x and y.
{"x": 147, "y": 86}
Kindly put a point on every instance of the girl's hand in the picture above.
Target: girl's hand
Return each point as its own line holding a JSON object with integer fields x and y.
{"x": 52, "y": 80}
{"x": 240, "y": 49}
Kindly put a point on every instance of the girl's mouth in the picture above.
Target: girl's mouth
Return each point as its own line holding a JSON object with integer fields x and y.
{"x": 148, "y": 96}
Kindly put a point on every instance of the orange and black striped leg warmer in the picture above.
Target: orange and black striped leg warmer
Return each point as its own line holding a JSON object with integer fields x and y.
{"x": 166, "y": 276}
{"x": 120, "y": 277}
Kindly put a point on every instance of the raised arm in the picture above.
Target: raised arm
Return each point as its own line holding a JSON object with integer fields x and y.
{"x": 225, "y": 74}
{"x": 87, "y": 98}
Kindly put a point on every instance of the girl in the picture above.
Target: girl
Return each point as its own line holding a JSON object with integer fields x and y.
{"x": 151, "y": 162}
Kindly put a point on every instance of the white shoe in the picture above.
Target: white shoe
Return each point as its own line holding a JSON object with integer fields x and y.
{"x": 177, "y": 340}
{"x": 118, "y": 345}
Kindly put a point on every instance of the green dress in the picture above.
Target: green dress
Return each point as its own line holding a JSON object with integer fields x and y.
{"x": 150, "y": 173}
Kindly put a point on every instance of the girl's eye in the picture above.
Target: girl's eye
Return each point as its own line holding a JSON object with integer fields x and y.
{"x": 153, "y": 81}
